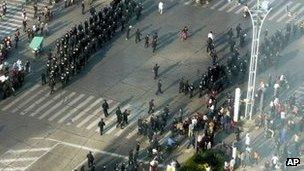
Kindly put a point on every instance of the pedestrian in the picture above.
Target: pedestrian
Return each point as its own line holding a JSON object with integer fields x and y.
{"x": 43, "y": 78}
{"x": 46, "y": 29}
{"x": 105, "y": 107}
{"x": 101, "y": 125}
{"x": 151, "y": 106}
{"x": 137, "y": 36}
{"x": 90, "y": 158}
{"x": 82, "y": 7}
{"x": 160, "y": 7}
{"x": 128, "y": 32}
{"x": 191, "y": 90}
{"x": 238, "y": 30}
{"x": 154, "y": 44}
{"x": 119, "y": 117}
{"x": 159, "y": 87}
{"x": 147, "y": 40}
{"x": 125, "y": 115}
{"x": 181, "y": 85}
{"x": 155, "y": 71}
{"x": 82, "y": 168}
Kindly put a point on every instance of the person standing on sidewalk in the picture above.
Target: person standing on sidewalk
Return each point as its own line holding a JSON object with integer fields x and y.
{"x": 82, "y": 7}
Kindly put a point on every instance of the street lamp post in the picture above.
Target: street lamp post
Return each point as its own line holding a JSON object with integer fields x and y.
{"x": 258, "y": 15}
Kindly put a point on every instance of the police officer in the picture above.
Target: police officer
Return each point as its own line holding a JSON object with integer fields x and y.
{"x": 181, "y": 85}
{"x": 155, "y": 71}
{"x": 105, "y": 107}
{"x": 43, "y": 78}
{"x": 101, "y": 125}
{"x": 159, "y": 87}
{"x": 118, "y": 116}
{"x": 90, "y": 158}
{"x": 147, "y": 40}
{"x": 137, "y": 36}
{"x": 191, "y": 90}
{"x": 125, "y": 117}
{"x": 128, "y": 32}
{"x": 151, "y": 106}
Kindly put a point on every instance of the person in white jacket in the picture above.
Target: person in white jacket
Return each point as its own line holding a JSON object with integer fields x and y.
{"x": 160, "y": 7}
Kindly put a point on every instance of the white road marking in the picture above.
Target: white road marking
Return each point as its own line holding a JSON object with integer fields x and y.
{"x": 89, "y": 118}
{"x": 217, "y": 4}
{"x": 18, "y": 159}
{"x": 48, "y": 103}
{"x": 28, "y": 100}
{"x": 20, "y": 97}
{"x": 29, "y": 150}
{"x": 280, "y": 10}
{"x": 286, "y": 14}
{"x": 233, "y": 7}
{"x": 74, "y": 110}
{"x": 85, "y": 111}
{"x": 54, "y": 107}
{"x": 66, "y": 107}
{"x": 34, "y": 104}
{"x": 13, "y": 168}
{"x": 224, "y": 6}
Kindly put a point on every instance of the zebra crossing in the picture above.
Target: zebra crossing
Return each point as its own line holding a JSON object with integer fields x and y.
{"x": 21, "y": 156}
{"x": 282, "y": 11}
{"x": 72, "y": 109}
{"x": 13, "y": 18}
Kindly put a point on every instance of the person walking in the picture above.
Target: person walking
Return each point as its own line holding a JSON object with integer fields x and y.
{"x": 90, "y": 158}
{"x": 147, "y": 40}
{"x": 137, "y": 36}
{"x": 105, "y": 107}
{"x": 155, "y": 71}
{"x": 160, "y": 7}
{"x": 159, "y": 87}
{"x": 128, "y": 32}
{"x": 151, "y": 106}
{"x": 82, "y": 7}
{"x": 101, "y": 125}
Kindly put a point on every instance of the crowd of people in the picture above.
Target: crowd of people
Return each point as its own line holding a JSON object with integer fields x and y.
{"x": 73, "y": 50}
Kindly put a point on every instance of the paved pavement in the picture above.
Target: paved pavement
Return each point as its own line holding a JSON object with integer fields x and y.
{"x": 59, "y": 130}
{"x": 13, "y": 19}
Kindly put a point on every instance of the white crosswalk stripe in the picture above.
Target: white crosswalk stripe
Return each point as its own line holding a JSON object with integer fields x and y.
{"x": 278, "y": 12}
{"x": 34, "y": 104}
{"x": 55, "y": 106}
{"x": 18, "y": 159}
{"x": 74, "y": 110}
{"x": 291, "y": 9}
{"x": 224, "y": 6}
{"x": 299, "y": 12}
{"x": 217, "y": 4}
{"x": 20, "y": 97}
{"x": 13, "y": 18}
{"x": 66, "y": 107}
{"x": 89, "y": 117}
{"x": 82, "y": 113}
{"x": 21, "y": 105}
{"x": 59, "y": 95}
{"x": 282, "y": 9}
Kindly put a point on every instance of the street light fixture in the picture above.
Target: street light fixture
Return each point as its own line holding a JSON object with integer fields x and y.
{"x": 258, "y": 13}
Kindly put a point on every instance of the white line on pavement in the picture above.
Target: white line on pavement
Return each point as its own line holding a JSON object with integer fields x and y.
{"x": 21, "y": 105}
{"x": 54, "y": 107}
{"x": 74, "y": 110}
{"x": 29, "y": 150}
{"x": 224, "y": 6}
{"x": 286, "y": 14}
{"x": 218, "y": 3}
{"x": 65, "y": 108}
{"x": 85, "y": 111}
{"x": 18, "y": 159}
{"x": 20, "y": 97}
{"x": 48, "y": 103}
{"x": 13, "y": 168}
{"x": 279, "y": 11}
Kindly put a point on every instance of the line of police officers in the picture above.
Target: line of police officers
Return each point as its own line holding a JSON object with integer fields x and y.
{"x": 73, "y": 50}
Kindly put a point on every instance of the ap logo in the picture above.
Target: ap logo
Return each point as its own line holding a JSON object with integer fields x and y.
{"x": 292, "y": 161}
